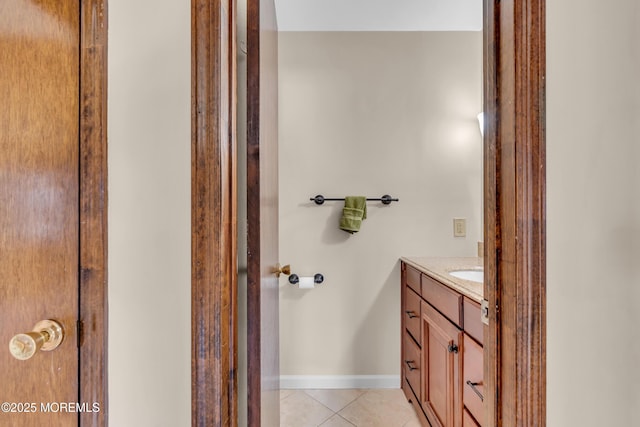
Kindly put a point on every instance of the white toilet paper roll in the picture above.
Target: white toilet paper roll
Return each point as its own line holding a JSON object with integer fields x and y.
{"x": 306, "y": 283}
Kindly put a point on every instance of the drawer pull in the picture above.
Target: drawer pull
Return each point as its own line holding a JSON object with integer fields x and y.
{"x": 475, "y": 390}
{"x": 452, "y": 348}
{"x": 411, "y": 314}
{"x": 410, "y": 365}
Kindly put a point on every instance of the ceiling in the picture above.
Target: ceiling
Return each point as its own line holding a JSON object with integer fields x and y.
{"x": 379, "y": 15}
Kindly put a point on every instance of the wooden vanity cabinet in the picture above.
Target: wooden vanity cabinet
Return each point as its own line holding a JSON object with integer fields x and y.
{"x": 468, "y": 420}
{"x": 411, "y": 370}
{"x": 442, "y": 364}
{"x": 473, "y": 389}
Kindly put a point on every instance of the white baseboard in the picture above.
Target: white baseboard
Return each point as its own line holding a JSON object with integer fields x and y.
{"x": 339, "y": 381}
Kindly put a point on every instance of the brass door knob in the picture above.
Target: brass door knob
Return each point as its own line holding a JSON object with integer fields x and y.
{"x": 282, "y": 270}
{"x": 46, "y": 336}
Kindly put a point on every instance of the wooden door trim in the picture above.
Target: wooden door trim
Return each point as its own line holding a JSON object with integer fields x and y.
{"x": 515, "y": 263}
{"x": 93, "y": 308}
{"x": 515, "y": 230}
{"x": 213, "y": 213}
{"x": 254, "y": 275}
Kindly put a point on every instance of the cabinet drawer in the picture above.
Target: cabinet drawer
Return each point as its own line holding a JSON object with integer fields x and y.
{"x": 411, "y": 362}
{"x": 412, "y": 276}
{"x": 445, "y": 300}
{"x": 411, "y": 313}
{"x": 472, "y": 322}
{"x": 468, "y": 421}
{"x": 472, "y": 383}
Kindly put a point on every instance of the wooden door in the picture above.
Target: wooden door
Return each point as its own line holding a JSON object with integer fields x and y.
{"x": 514, "y": 212}
{"x": 262, "y": 205}
{"x": 441, "y": 353}
{"x": 39, "y": 205}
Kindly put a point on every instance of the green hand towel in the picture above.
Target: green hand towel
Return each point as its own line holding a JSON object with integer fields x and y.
{"x": 354, "y": 211}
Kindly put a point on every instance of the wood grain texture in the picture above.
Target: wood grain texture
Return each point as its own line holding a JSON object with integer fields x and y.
{"x": 233, "y": 174}
{"x": 214, "y": 240}
{"x": 39, "y": 188}
{"x": 515, "y": 367}
{"x": 472, "y": 372}
{"x": 411, "y": 313}
{"x": 93, "y": 210}
{"x": 415, "y": 402}
{"x": 444, "y": 299}
{"x": 441, "y": 396}
{"x": 467, "y": 420}
{"x": 492, "y": 236}
{"x": 262, "y": 222}
{"x": 472, "y": 320}
{"x": 412, "y": 363}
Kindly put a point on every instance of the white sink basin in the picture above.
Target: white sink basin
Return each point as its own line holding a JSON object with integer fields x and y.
{"x": 472, "y": 275}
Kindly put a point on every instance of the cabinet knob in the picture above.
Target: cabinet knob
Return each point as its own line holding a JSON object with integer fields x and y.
{"x": 452, "y": 348}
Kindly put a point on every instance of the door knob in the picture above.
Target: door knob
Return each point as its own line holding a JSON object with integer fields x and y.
{"x": 282, "y": 270}
{"x": 46, "y": 336}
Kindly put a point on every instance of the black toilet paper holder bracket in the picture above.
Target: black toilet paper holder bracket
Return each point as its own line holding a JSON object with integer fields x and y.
{"x": 294, "y": 279}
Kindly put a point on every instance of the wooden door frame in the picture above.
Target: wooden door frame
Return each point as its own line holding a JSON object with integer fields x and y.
{"x": 514, "y": 170}
{"x": 213, "y": 213}
{"x": 93, "y": 316}
{"x": 514, "y": 210}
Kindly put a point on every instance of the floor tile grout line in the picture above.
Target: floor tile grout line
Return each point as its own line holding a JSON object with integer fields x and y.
{"x": 305, "y": 392}
{"x": 350, "y": 403}
{"x": 311, "y": 397}
{"x": 339, "y": 416}
{"x": 344, "y": 407}
{"x": 368, "y": 391}
{"x": 365, "y": 391}
{"x": 326, "y": 419}
{"x": 287, "y": 397}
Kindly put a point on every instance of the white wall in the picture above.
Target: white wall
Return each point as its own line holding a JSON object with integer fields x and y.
{"x": 593, "y": 235}
{"x": 149, "y": 213}
{"x": 371, "y": 114}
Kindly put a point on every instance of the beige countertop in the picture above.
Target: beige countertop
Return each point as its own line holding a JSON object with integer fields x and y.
{"x": 439, "y": 269}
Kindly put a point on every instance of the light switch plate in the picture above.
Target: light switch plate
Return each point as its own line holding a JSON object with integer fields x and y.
{"x": 459, "y": 227}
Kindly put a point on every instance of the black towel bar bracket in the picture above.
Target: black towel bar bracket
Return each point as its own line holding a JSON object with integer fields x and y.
{"x": 386, "y": 199}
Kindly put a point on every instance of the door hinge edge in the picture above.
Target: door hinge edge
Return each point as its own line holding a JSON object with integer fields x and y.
{"x": 484, "y": 311}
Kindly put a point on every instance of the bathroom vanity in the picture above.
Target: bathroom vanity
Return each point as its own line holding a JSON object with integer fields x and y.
{"x": 442, "y": 338}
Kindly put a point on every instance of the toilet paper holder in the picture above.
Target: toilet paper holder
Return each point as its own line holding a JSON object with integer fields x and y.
{"x": 317, "y": 279}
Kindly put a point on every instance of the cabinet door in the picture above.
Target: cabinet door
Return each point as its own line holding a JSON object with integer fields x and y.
{"x": 441, "y": 368}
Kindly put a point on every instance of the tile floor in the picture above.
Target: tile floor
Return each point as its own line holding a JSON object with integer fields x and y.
{"x": 346, "y": 408}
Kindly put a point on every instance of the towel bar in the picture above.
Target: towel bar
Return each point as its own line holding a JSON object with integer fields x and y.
{"x": 386, "y": 199}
